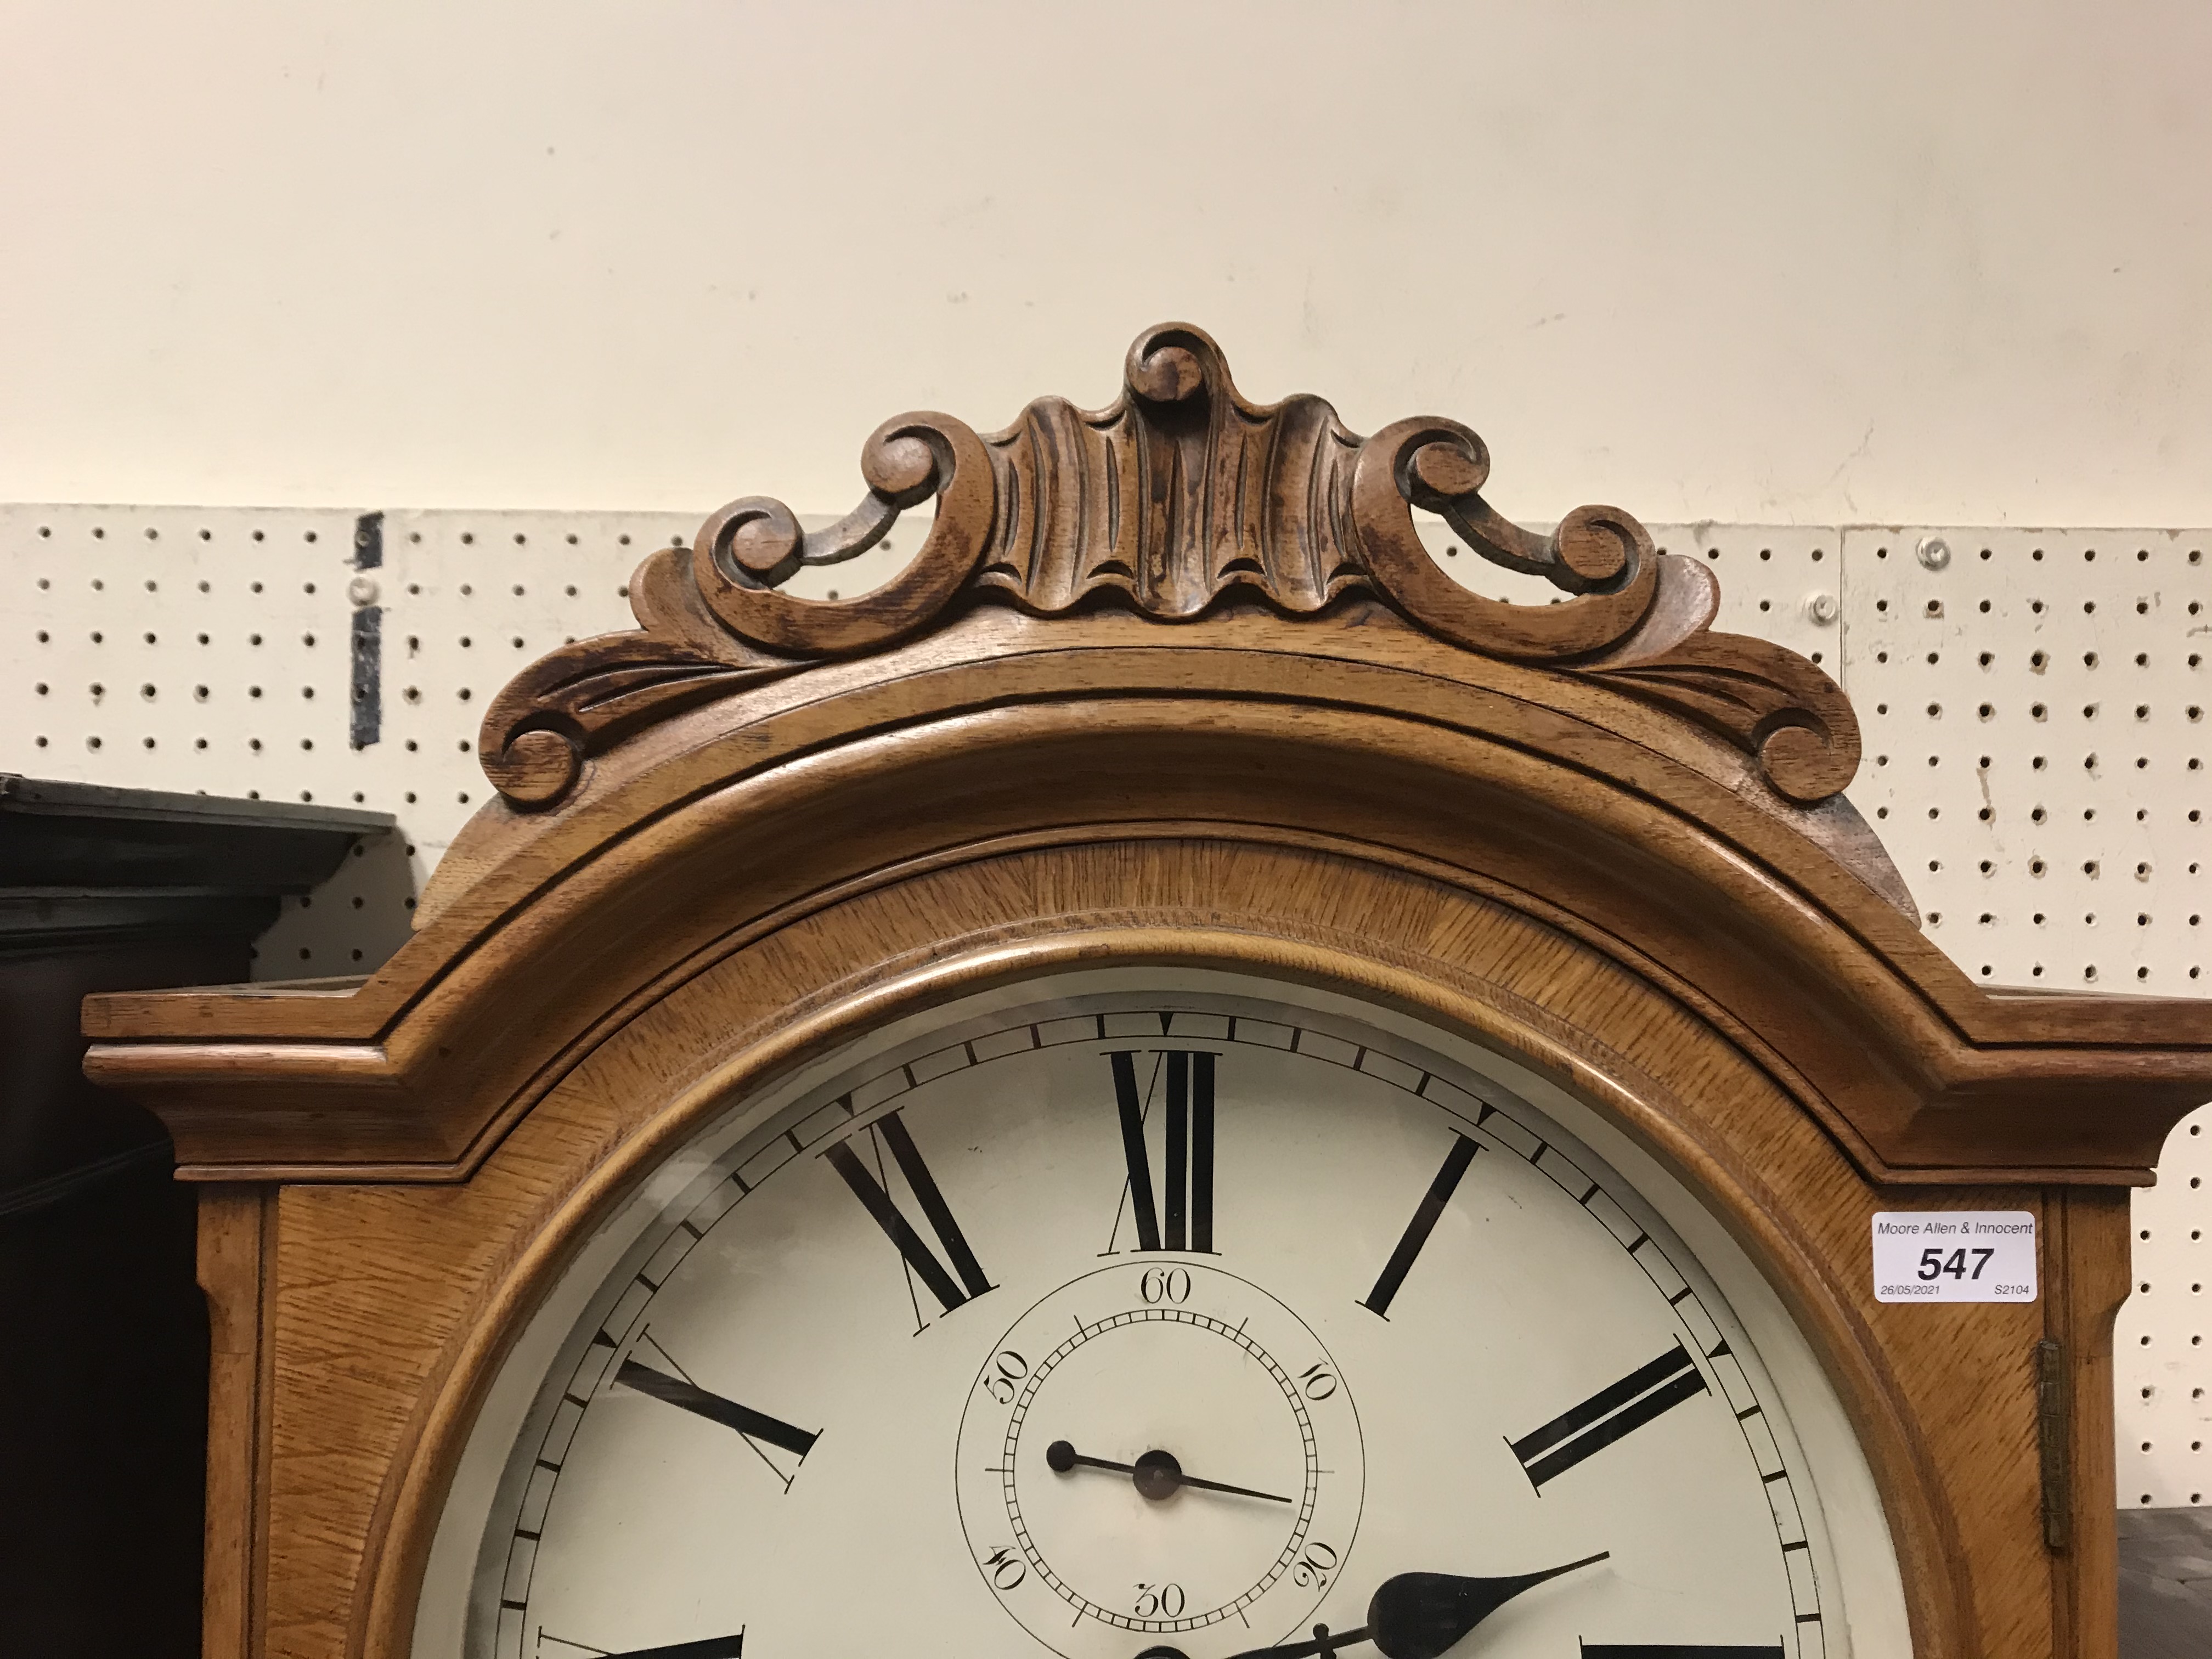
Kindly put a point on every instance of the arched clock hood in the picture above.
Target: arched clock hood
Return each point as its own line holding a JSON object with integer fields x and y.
{"x": 1191, "y": 617}
{"x": 1173, "y": 682}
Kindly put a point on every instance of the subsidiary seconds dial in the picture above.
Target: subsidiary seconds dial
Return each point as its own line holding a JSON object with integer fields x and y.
{"x": 1159, "y": 1447}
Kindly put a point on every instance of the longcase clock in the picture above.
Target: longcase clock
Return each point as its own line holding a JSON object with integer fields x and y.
{"x": 1170, "y": 1083}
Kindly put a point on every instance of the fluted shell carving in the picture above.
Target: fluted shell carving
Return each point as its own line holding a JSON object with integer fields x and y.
{"x": 1178, "y": 497}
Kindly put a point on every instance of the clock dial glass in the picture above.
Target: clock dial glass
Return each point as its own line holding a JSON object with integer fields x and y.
{"x": 1184, "y": 1315}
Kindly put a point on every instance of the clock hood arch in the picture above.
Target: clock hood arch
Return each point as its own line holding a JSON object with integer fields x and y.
{"x": 1183, "y": 610}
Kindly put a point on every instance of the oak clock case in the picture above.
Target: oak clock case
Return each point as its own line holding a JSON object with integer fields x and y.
{"x": 1172, "y": 689}
{"x": 1157, "y": 1319}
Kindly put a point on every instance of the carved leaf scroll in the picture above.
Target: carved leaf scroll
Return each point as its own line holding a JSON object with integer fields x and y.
{"x": 1177, "y": 497}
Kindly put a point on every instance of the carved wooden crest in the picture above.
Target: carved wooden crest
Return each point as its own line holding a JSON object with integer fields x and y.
{"x": 1180, "y": 500}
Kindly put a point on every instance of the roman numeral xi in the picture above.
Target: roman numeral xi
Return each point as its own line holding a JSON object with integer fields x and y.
{"x": 950, "y": 1285}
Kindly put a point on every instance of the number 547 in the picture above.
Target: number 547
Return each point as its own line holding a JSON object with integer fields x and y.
{"x": 1934, "y": 1264}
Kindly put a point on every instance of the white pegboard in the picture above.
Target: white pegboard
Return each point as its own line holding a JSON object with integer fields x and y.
{"x": 2036, "y": 763}
{"x": 188, "y": 648}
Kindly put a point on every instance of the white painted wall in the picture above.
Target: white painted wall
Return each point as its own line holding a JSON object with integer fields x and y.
{"x": 1892, "y": 262}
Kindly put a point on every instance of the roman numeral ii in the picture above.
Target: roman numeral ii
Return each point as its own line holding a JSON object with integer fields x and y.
{"x": 1615, "y": 1410}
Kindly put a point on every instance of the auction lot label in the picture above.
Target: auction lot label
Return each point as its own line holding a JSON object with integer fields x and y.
{"x": 1954, "y": 1255}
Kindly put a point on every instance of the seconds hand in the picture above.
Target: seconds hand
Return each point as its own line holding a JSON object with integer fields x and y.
{"x": 1157, "y": 1474}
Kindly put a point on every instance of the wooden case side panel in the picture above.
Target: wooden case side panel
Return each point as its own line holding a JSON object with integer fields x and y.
{"x": 375, "y": 1288}
{"x": 2087, "y": 1259}
{"x": 235, "y": 1235}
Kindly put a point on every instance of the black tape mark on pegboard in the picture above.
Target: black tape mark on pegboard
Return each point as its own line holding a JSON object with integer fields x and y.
{"x": 367, "y": 706}
{"x": 367, "y": 675}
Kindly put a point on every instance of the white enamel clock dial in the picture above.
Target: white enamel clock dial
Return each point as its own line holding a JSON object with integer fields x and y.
{"x": 1151, "y": 1322}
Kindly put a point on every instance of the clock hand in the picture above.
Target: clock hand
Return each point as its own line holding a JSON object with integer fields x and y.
{"x": 1419, "y": 1616}
{"x": 1156, "y": 1474}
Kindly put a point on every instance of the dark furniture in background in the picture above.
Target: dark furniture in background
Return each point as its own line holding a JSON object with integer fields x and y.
{"x": 103, "y": 1332}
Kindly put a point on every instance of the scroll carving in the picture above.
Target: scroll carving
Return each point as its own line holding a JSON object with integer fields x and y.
{"x": 1176, "y": 499}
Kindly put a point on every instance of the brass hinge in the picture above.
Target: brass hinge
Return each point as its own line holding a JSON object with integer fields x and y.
{"x": 2053, "y": 1441}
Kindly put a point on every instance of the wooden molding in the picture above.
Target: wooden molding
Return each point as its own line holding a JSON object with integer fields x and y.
{"x": 1179, "y": 499}
{"x": 544, "y": 930}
